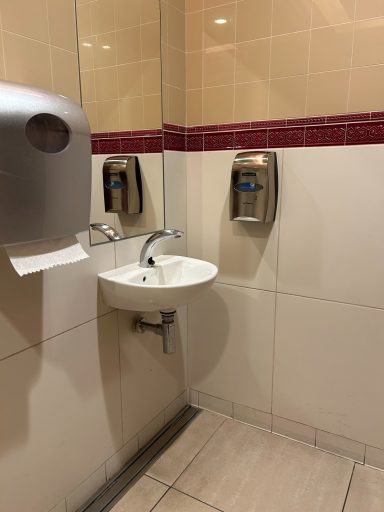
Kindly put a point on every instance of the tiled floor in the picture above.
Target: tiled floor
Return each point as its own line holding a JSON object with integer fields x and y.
{"x": 221, "y": 464}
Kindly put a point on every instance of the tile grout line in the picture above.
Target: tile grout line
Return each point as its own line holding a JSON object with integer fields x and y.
{"x": 197, "y": 499}
{"x": 349, "y": 486}
{"x": 204, "y": 445}
{"x": 159, "y": 500}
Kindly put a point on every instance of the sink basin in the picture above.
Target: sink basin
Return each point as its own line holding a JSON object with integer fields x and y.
{"x": 172, "y": 282}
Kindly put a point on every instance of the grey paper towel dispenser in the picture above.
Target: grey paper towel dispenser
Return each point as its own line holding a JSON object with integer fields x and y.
{"x": 253, "y": 194}
{"x": 123, "y": 190}
{"x": 45, "y": 165}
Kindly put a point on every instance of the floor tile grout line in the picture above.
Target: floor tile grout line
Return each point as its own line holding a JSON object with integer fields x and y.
{"x": 197, "y": 499}
{"x": 201, "y": 449}
{"x": 158, "y": 501}
{"x": 349, "y": 487}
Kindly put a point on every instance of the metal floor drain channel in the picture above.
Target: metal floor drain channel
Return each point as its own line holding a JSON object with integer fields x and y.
{"x": 113, "y": 490}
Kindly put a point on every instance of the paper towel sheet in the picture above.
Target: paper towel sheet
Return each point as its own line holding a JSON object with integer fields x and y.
{"x": 36, "y": 256}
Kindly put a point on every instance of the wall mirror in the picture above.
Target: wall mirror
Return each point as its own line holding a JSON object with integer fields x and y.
{"x": 120, "y": 74}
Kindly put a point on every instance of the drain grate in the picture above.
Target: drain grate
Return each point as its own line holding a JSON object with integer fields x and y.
{"x": 113, "y": 490}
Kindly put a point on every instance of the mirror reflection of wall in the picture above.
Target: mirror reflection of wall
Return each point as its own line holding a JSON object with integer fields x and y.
{"x": 120, "y": 72}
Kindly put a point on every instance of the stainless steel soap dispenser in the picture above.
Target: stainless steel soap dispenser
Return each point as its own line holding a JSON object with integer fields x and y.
{"x": 253, "y": 195}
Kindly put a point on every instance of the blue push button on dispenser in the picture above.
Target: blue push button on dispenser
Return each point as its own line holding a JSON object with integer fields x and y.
{"x": 248, "y": 187}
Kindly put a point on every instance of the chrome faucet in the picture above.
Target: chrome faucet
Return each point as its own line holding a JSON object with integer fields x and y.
{"x": 107, "y": 230}
{"x": 146, "y": 259}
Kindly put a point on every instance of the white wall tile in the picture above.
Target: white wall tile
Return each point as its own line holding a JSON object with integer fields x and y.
{"x": 193, "y": 397}
{"x": 253, "y": 417}
{"x": 374, "y": 457}
{"x": 119, "y": 459}
{"x": 175, "y": 407}
{"x": 331, "y": 243}
{"x": 150, "y": 430}
{"x": 60, "y": 507}
{"x": 150, "y": 379}
{"x": 215, "y": 404}
{"x": 39, "y": 306}
{"x": 245, "y": 252}
{"x": 340, "y": 445}
{"x": 63, "y": 408}
{"x": 328, "y": 367}
{"x": 230, "y": 345}
{"x": 86, "y": 490}
{"x": 294, "y": 430}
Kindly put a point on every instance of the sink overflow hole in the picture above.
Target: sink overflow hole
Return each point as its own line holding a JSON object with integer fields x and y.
{"x": 144, "y": 278}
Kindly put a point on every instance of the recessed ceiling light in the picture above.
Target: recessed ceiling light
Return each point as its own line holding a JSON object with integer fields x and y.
{"x": 221, "y": 21}
{"x": 87, "y": 44}
{"x": 106, "y": 47}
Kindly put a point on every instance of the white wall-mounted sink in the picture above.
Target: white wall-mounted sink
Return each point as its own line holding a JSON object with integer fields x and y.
{"x": 172, "y": 282}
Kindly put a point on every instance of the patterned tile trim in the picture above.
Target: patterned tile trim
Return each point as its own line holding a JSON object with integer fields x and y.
{"x": 336, "y": 130}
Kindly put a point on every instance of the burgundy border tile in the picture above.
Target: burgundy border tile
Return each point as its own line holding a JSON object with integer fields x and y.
{"x": 377, "y": 115}
{"x": 174, "y": 141}
{"x": 217, "y": 141}
{"x": 109, "y": 146}
{"x": 195, "y": 142}
{"x": 332, "y": 135}
{"x": 348, "y": 118}
{"x": 99, "y": 135}
{"x": 153, "y": 144}
{"x": 234, "y": 126}
{"x": 300, "y": 121}
{"x": 116, "y": 135}
{"x": 95, "y": 146}
{"x": 286, "y": 137}
{"x": 365, "y": 133}
{"x": 251, "y": 139}
{"x": 272, "y": 123}
{"x": 132, "y": 145}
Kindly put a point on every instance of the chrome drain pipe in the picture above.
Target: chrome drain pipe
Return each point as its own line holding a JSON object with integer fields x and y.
{"x": 166, "y": 329}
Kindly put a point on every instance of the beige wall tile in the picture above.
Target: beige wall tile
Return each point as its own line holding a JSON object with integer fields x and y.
{"x": 175, "y": 407}
{"x": 127, "y": 13}
{"x": 86, "y": 490}
{"x": 288, "y": 97}
{"x": 253, "y": 417}
{"x": 149, "y": 11}
{"x": 194, "y": 70}
{"x": 374, "y": 457}
{"x": 151, "y": 76}
{"x": 65, "y": 73}
{"x": 289, "y": 55}
{"x": 194, "y": 31}
{"x": 369, "y": 9}
{"x": 253, "y": 60}
{"x": 106, "y": 84}
{"x": 290, "y": 16}
{"x": 84, "y": 20}
{"x": 108, "y": 115}
{"x": 27, "y": 61}
{"x": 131, "y": 114}
{"x": 218, "y": 104}
{"x": 193, "y": 5}
{"x": 114, "y": 464}
{"x": 253, "y": 19}
{"x": 331, "y": 48}
{"x": 177, "y": 106}
{"x": 369, "y": 41}
{"x": 176, "y": 33}
{"x": 251, "y": 101}
{"x": 102, "y": 16}
{"x": 214, "y": 3}
{"x": 328, "y": 93}
{"x": 151, "y": 429}
{"x": 62, "y": 24}
{"x": 129, "y": 78}
{"x": 105, "y": 50}
{"x": 194, "y": 107}
{"x": 326, "y": 13}
{"x": 366, "y": 92}
{"x": 176, "y": 71}
{"x": 91, "y": 112}
{"x": 152, "y": 111}
{"x": 86, "y": 52}
{"x": 219, "y": 66}
{"x": 32, "y": 23}
{"x": 128, "y": 45}
{"x": 2, "y": 68}
{"x": 150, "y": 41}
{"x": 212, "y": 403}
{"x": 341, "y": 342}
{"x": 218, "y": 35}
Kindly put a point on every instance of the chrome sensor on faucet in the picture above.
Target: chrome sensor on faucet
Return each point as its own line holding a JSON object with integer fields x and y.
{"x": 146, "y": 259}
